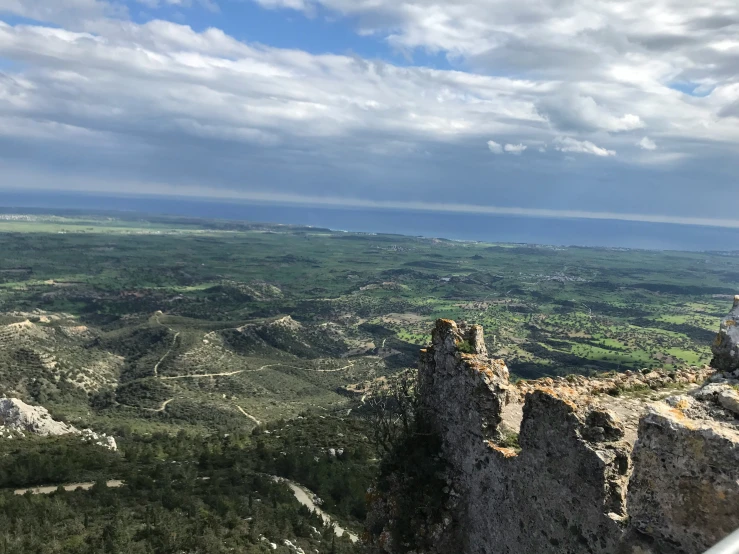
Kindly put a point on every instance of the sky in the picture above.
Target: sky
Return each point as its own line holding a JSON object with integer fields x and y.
{"x": 625, "y": 109}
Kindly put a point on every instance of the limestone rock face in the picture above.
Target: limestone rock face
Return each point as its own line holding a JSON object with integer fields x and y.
{"x": 18, "y": 419}
{"x": 558, "y": 476}
{"x": 19, "y": 416}
{"x": 472, "y": 387}
{"x": 591, "y": 473}
{"x": 684, "y": 488}
{"x": 726, "y": 346}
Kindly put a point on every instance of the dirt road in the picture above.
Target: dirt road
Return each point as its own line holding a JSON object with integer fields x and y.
{"x": 156, "y": 367}
{"x": 70, "y": 487}
{"x": 305, "y": 497}
{"x": 254, "y": 419}
{"x": 204, "y": 375}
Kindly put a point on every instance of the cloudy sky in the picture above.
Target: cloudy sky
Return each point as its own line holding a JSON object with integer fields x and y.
{"x": 611, "y": 107}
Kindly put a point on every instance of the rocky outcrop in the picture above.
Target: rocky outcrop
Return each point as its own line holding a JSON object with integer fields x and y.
{"x": 18, "y": 419}
{"x": 16, "y": 415}
{"x": 585, "y": 476}
{"x": 617, "y": 383}
{"x": 726, "y": 346}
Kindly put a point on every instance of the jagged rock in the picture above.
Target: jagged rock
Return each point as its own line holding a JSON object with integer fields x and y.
{"x": 681, "y": 401}
{"x": 293, "y": 548}
{"x": 103, "y": 440}
{"x": 726, "y": 346}
{"x": 603, "y": 425}
{"x": 689, "y": 406}
{"x": 583, "y": 386}
{"x": 472, "y": 386}
{"x": 565, "y": 489}
{"x": 17, "y": 415}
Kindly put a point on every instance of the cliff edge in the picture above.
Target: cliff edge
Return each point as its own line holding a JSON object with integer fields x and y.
{"x": 592, "y": 470}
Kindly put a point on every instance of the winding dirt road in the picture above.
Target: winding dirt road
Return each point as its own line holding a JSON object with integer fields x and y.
{"x": 164, "y": 405}
{"x": 167, "y": 353}
{"x": 204, "y": 375}
{"x": 231, "y": 373}
{"x": 349, "y": 365}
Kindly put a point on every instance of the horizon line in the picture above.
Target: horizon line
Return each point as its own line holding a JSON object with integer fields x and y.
{"x": 189, "y": 192}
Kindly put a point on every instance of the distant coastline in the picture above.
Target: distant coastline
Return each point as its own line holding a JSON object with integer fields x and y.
{"x": 447, "y": 225}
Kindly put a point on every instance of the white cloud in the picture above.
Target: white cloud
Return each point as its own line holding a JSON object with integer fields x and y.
{"x": 647, "y": 144}
{"x": 158, "y": 3}
{"x": 569, "y": 144}
{"x": 574, "y": 112}
{"x": 494, "y": 147}
{"x": 592, "y": 73}
{"x": 593, "y": 66}
{"x": 69, "y": 12}
{"x": 301, "y": 5}
{"x": 173, "y": 74}
{"x": 515, "y": 148}
{"x": 532, "y": 34}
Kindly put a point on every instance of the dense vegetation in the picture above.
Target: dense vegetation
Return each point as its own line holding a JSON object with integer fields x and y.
{"x": 186, "y": 493}
{"x": 410, "y": 495}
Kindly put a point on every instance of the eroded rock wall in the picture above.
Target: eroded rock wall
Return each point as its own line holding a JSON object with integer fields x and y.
{"x": 577, "y": 482}
{"x": 560, "y": 493}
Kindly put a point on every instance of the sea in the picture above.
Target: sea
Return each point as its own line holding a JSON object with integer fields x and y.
{"x": 448, "y": 225}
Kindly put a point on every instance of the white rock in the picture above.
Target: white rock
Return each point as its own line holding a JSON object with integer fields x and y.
{"x": 729, "y": 399}
{"x": 711, "y": 391}
{"x": 19, "y": 416}
{"x": 16, "y": 417}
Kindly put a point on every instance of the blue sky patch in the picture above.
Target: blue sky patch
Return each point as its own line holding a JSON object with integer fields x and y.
{"x": 692, "y": 89}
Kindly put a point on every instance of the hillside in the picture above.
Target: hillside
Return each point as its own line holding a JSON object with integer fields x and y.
{"x": 164, "y": 322}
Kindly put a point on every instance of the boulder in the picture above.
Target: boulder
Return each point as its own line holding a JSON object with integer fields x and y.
{"x": 729, "y": 400}
{"x": 711, "y": 391}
